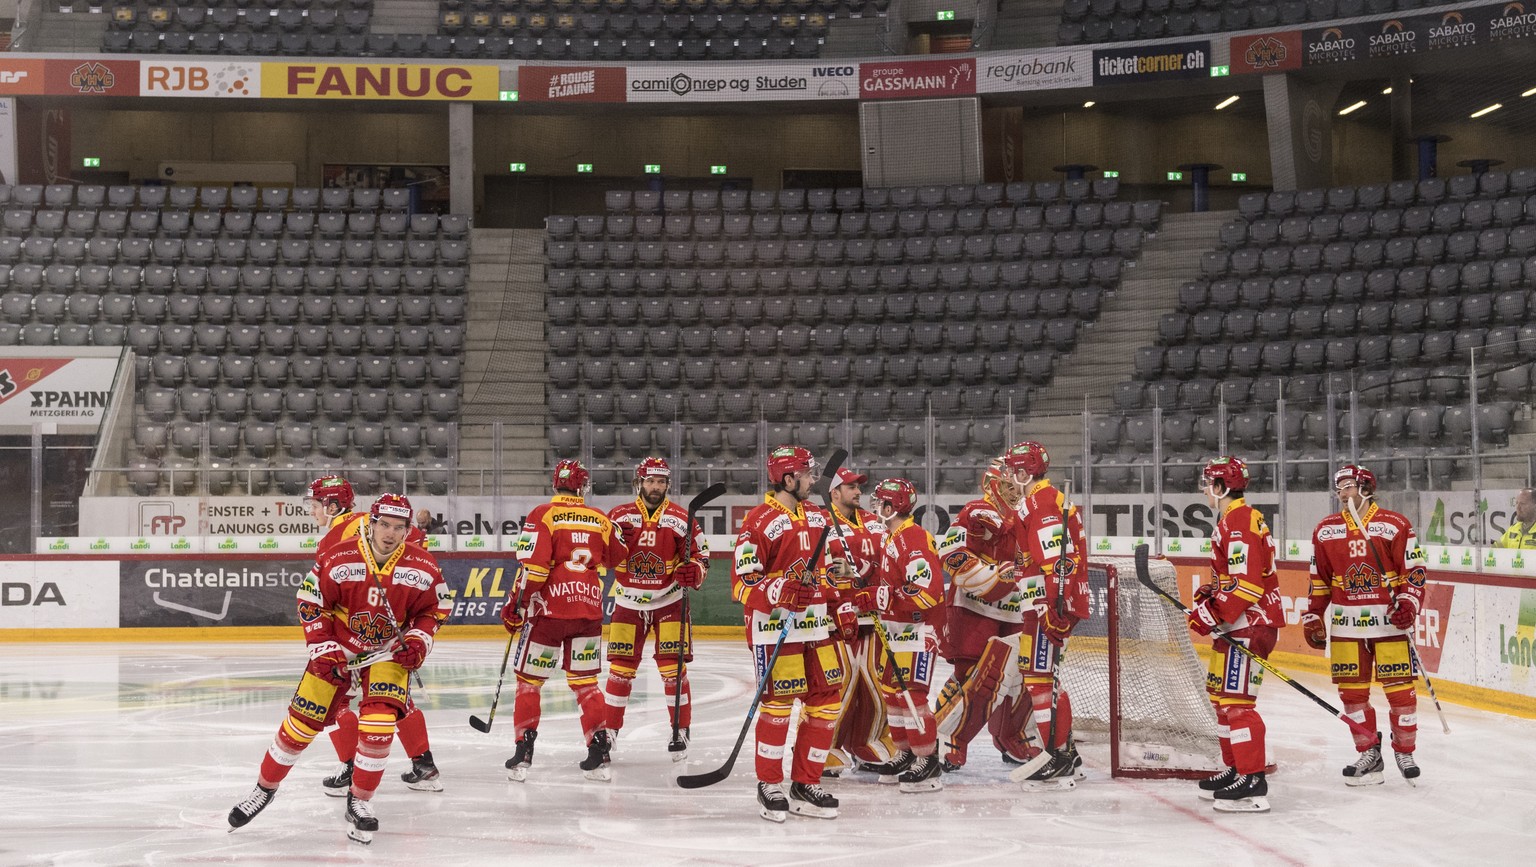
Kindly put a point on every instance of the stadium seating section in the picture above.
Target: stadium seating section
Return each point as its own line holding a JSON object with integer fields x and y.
{"x": 807, "y": 308}
{"x": 1095, "y": 21}
{"x": 271, "y": 327}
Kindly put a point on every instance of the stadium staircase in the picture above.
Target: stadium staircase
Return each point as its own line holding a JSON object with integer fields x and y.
{"x": 404, "y": 16}
{"x": 504, "y": 360}
{"x": 53, "y": 30}
{"x": 1150, "y": 287}
{"x": 1026, "y": 24}
{"x": 869, "y": 36}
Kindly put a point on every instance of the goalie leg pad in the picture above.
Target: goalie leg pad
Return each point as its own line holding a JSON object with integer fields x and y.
{"x": 981, "y": 693}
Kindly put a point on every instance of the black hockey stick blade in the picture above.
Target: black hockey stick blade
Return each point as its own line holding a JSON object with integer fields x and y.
{"x": 1144, "y": 575}
{"x": 702, "y": 499}
{"x": 479, "y": 724}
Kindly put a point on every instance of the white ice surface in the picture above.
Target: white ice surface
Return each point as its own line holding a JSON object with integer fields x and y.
{"x": 134, "y": 753}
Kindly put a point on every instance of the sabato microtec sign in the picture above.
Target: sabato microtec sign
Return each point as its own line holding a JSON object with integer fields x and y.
{"x": 404, "y": 81}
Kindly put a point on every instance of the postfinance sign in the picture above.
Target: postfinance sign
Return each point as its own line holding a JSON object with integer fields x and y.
{"x": 379, "y": 81}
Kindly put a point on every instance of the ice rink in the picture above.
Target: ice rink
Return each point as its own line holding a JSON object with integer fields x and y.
{"x": 134, "y": 754}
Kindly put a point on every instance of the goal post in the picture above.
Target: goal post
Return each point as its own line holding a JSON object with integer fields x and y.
{"x": 1137, "y": 681}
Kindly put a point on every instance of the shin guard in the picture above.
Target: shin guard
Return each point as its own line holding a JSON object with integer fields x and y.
{"x": 1246, "y": 729}
{"x": 1357, "y": 706}
{"x": 772, "y": 732}
{"x": 413, "y": 732}
{"x": 344, "y": 735}
{"x": 375, "y": 735}
{"x": 1402, "y": 708}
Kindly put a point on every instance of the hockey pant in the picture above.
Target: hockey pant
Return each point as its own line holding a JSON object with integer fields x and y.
{"x": 627, "y": 634}
{"x": 1048, "y": 699}
{"x": 919, "y": 735}
{"x": 1358, "y": 661}
{"x": 385, "y": 689}
{"x": 1233, "y": 682}
{"x": 573, "y": 645}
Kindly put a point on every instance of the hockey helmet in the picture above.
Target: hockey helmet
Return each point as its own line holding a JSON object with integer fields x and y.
{"x": 1362, "y": 477}
{"x": 1029, "y": 456}
{"x": 391, "y": 506}
{"x": 998, "y": 486}
{"x": 1231, "y": 472}
{"x": 652, "y": 468}
{"x": 332, "y": 489}
{"x": 571, "y": 476}
{"x": 899, "y": 494}
{"x": 785, "y": 460}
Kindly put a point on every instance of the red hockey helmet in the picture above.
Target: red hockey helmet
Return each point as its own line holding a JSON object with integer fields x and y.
{"x": 788, "y": 459}
{"x": 652, "y": 468}
{"x": 1029, "y": 456}
{"x": 332, "y": 489}
{"x": 391, "y": 506}
{"x": 899, "y": 494}
{"x": 571, "y": 476}
{"x": 1361, "y": 476}
{"x": 1230, "y": 471}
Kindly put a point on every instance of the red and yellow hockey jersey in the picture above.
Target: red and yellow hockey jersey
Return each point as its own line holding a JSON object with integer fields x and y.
{"x": 563, "y": 545}
{"x": 1245, "y": 590}
{"x": 340, "y": 599}
{"x": 981, "y": 541}
{"x": 910, "y": 567}
{"x": 658, "y": 541}
{"x": 777, "y": 542}
{"x": 1355, "y": 575}
{"x": 1043, "y": 536}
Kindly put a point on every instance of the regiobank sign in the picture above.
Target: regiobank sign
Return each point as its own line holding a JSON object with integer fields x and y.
{"x": 1449, "y": 27}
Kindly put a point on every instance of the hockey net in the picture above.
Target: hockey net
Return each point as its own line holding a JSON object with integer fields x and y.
{"x": 1136, "y": 681}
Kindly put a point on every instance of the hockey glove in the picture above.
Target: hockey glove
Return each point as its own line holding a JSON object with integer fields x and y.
{"x": 842, "y": 570}
{"x": 1403, "y": 611}
{"x": 512, "y": 616}
{"x": 412, "y": 652}
{"x": 1056, "y": 626}
{"x": 877, "y": 598}
{"x": 328, "y": 662}
{"x": 786, "y": 592}
{"x": 1312, "y": 627}
{"x": 1201, "y": 618}
{"x": 690, "y": 574}
{"x": 1204, "y": 592}
{"x": 847, "y": 621}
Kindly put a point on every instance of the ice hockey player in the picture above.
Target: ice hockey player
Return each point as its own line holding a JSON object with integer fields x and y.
{"x": 666, "y": 558}
{"x": 983, "y": 617}
{"x": 559, "y": 599}
{"x": 400, "y": 602}
{"x": 790, "y": 599}
{"x": 330, "y": 500}
{"x": 862, "y": 733}
{"x": 1368, "y": 575}
{"x": 1239, "y": 604}
{"x": 907, "y": 597}
{"x": 1053, "y": 579}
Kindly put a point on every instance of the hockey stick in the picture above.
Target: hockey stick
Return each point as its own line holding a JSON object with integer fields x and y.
{"x": 1064, "y": 567}
{"x": 709, "y": 778}
{"x": 885, "y": 637}
{"x": 484, "y": 725}
{"x": 1144, "y": 575}
{"x": 1413, "y": 653}
{"x": 695, "y": 505}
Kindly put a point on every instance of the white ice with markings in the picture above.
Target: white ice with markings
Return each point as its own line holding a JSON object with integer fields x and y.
{"x": 134, "y": 754}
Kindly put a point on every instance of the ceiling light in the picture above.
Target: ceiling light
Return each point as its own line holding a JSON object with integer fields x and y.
{"x": 1489, "y": 110}
{"x": 1088, "y": 104}
{"x": 1349, "y": 108}
{"x": 1531, "y": 92}
{"x": 1226, "y": 102}
{"x": 1387, "y": 92}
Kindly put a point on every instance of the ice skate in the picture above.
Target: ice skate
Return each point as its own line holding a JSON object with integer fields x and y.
{"x": 923, "y": 776}
{"x": 1408, "y": 767}
{"x": 1211, "y": 785}
{"x": 772, "y": 805}
{"x": 423, "y": 775}
{"x": 360, "y": 817}
{"x": 890, "y": 771}
{"x": 1366, "y": 771}
{"x": 517, "y": 766}
{"x": 1245, "y": 794}
{"x": 337, "y": 784}
{"x": 1048, "y": 772}
{"x": 678, "y": 746}
{"x": 247, "y": 809}
{"x": 812, "y": 800}
{"x": 597, "y": 765}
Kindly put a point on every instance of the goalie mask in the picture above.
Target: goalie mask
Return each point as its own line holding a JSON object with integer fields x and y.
{"x": 998, "y": 486}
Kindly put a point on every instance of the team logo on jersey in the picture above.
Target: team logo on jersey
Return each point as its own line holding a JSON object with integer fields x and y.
{"x": 1359, "y": 579}
{"x": 371, "y": 627}
{"x": 646, "y": 566}
{"x": 1065, "y": 567}
{"x": 524, "y": 544}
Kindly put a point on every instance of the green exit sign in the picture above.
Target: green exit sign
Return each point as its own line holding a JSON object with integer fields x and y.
{"x": 717, "y": 170}
{"x": 1175, "y": 176}
{"x": 584, "y": 168}
{"x": 946, "y": 14}
{"x": 1240, "y": 177}
{"x": 509, "y": 96}
{"x": 91, "y": 162}
{"x": 653, "y": 168}
{"x": 1111, "y": 174}
{"x": 1219, "y": 71}
{"x": 517, "y": 167}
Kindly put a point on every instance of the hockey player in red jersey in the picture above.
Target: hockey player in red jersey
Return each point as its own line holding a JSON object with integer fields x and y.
{"x": 788, "y": 597}
{"x": 861, "y": 733}
{"x": 981, "y": 622}
{"x": 666, "y": 557}
{"x": 559, "y": 599}
{"x": 1240, "y": 604}
{"x": 1368, "y": 575}
{"x": 330, "y": 500}
{"x": 365, "y": 594}
{"x": 909, "y": 592}
{"x": 1053, "y": 580}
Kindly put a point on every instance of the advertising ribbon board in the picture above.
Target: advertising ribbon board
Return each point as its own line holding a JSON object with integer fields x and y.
{"x": 571, "y": 83}
{"x": 208, "y": 78}
{"x": 92, "y": 77}
{"x": 1266, "y": 52}
{"x": 42, "y": 387}
{"x": 402, "y": 81}
{"x": 713, "y": 82}
{"x": 904, "y": 79}
{"x": 1162, "y": 62}
{"x": 1009, "y": 72}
